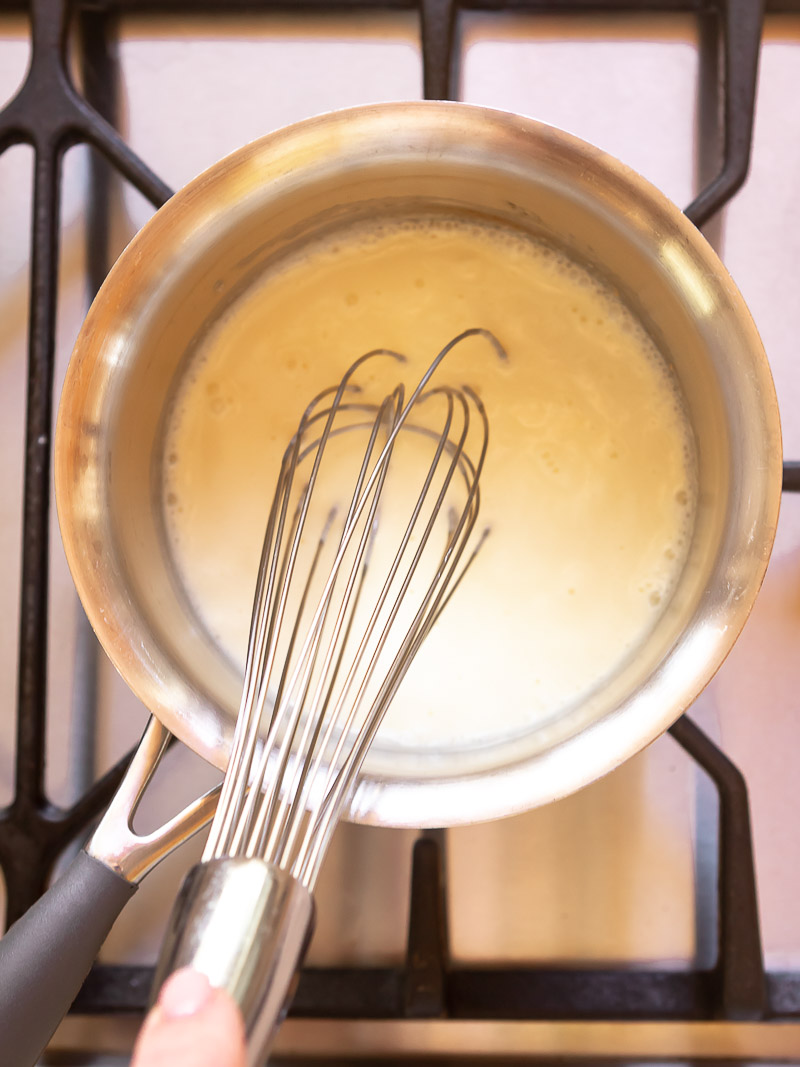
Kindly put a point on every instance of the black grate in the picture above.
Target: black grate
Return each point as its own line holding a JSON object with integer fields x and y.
{"x": 51, "y": 116}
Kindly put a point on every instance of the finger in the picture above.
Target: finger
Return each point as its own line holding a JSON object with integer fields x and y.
{"x": 192, "y": 1025}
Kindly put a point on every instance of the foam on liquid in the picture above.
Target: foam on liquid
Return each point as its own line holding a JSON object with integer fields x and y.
{"x": 588, "y": 485}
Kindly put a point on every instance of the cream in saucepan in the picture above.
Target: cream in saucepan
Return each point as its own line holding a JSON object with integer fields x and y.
{"x": 588, "y": 487}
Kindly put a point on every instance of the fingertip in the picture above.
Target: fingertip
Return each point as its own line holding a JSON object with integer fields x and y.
{"x": 192, "y": 1024}
{"x": 184, "y": 993}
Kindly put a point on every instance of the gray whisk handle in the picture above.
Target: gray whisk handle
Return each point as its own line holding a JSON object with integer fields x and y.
{"x": 47, "y": 953}
{"x": 246, "y": 925}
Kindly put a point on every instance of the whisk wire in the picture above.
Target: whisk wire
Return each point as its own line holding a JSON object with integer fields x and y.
{"x": 232, "y": 794}
{"x": 439, "y": 591}
{"x": 323, "y": 711}
{"x": 300, "y": 679}
{"x": 262, "y": 646}
{"x": 244, "y": 829}
{"x": 387, "y": 585}
{"x": 311, "y": 767}
{"x": 308, "y": 655}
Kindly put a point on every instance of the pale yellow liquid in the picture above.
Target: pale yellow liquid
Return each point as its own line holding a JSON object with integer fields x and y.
{"x": 588, "y": 485}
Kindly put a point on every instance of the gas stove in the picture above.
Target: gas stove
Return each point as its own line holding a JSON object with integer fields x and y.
{"x": 665, "y": 895}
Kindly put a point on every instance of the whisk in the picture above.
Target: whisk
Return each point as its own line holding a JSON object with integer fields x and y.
{"x": 349, "y": 585}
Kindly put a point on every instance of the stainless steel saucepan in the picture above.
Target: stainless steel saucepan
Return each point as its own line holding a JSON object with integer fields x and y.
{"x": 180, "y": 274}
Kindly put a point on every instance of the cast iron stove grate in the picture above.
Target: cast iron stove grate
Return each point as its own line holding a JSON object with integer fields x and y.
{"x": 51, "y": 116}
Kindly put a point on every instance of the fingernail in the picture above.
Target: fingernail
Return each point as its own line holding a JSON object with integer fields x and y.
{"x": 184, "y": 993}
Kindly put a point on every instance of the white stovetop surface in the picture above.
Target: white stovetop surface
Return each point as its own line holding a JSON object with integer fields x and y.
{"x": 606, "y": 875}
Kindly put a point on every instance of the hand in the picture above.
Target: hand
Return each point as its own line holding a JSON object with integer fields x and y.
{"x": 191, "y": 1025}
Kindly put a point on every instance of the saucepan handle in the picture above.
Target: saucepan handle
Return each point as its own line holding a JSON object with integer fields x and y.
{"x": 48, "y": 952}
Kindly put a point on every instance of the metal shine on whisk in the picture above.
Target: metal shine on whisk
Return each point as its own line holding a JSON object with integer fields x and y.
{"x": 349, "y": 585}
